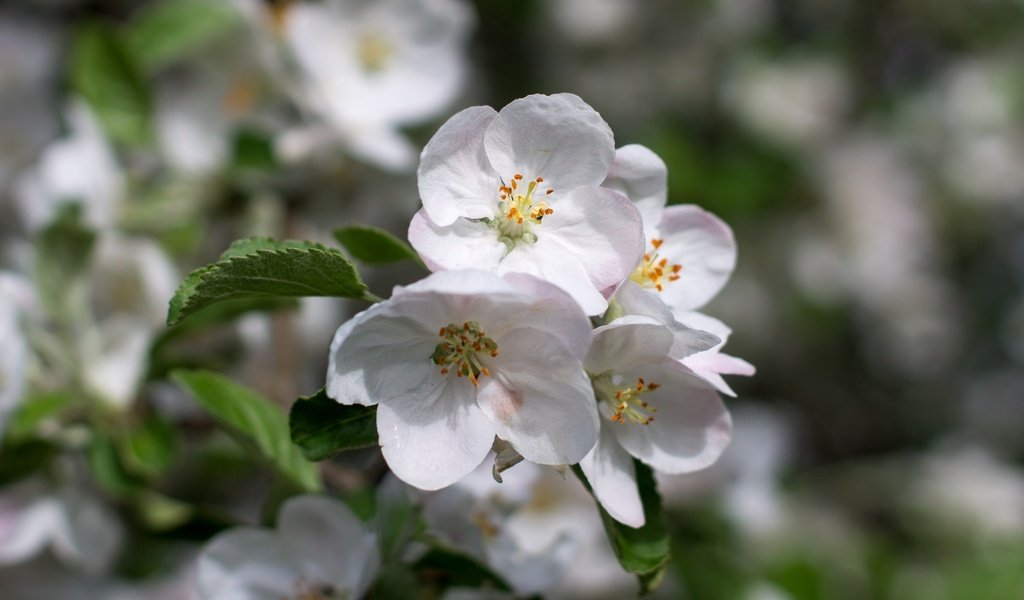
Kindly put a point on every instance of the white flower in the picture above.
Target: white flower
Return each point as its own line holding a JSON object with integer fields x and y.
{"x": 518, "y": 191}
{"x": 460, "y": 357}
{"x": 14, "y": 358}
{"x": 80, "y": 168}
{"x": 653, "y": 408}
{"x": 367, "y": 68}
{"x": 81, "y": 531}
{"x": 319, "y": 550}
{"x": 690, "y": 257}
{"x": 131, "y": 281}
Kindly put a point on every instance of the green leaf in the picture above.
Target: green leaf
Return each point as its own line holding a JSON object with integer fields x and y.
{"x": 253, "y": 420}
{"x": 374, "y": 246}
{"x": 323, "y": 428}
{"x": 168, "y": 31}
{"x": 148, "y": 450}
{"x": 107, "y": 468}
{"x": 103, "y": 72}
{"x": 63, "y": 250}
{"x": 263, "y": 268}
{"x": 450, "y": 568}
{"x": 643, "y": 551}
{"x": 36, "y": 409}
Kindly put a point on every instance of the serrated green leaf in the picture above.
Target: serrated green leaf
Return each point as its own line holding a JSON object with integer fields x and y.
{"x": 252, "y": 419}
{"x": 323, "y": 428}
{"x": 374, "y": 246}
{"x": 263, "y": 268}
{"x": 103, "y": 72}
{"x": 171, "y": 30}
{"x": 643, "y": 551}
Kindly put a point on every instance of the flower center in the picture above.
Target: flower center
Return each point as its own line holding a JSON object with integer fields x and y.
{"x": 460, "y": 350}
{"x": 519, "y": 210}
{"x": 318, "y": 591}
{"x": 626, "y": 403}
{"x": 373, "y": 52}
{"x": 654, "y": 271}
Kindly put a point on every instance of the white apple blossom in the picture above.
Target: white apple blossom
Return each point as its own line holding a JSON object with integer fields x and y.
{"x": 81, "y": 168}
{"x": 518, "y": 191}
{"x": 14, "y": 358}
{"x": 81, "y": 531}
{"x": 367, "y": 68}
{"x": 653, "y": 408}
{"x": 690, "y": 257}
{"x": 319, "y": 550}
{"x": 460, "y": 357}
{"x": 131, "y": 280}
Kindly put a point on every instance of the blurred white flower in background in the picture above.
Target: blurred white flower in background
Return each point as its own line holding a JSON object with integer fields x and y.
{"x": 970, "y": 492}
{"x": 798, "y": 102}
{"x": 14, "y": 358}
{"x": 80, "y": 530}
{"x": 318, "y": 550}
{"x": 365, "y": 69}
{"x": 80, "y": 168}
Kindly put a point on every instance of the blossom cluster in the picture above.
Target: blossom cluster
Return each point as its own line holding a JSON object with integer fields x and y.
{"x": 561, "y": 319}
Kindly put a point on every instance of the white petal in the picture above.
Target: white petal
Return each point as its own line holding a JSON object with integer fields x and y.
{"x": 560, "y": 138}
{"x": 628, "y": 342}
{"x": 703, "y": 244}
{"x": 554, "y": 311}
{"x": 455, "y": 180}
{"x": 90, "y": 535}
{"x": 710, "y": 366}
{"x": 328, "y": 544}
{"x": 462, "y": 245}
{"x": 602, "y": 229}
{"x": 691, "y": 426}
{"x": 539, "y": 399}
{"x": 689, "y": 338}
{"x": 548, "y": 261}
{"x": 379, "y": 354}
{"x": 381, "y": 145}
{"x": 435, "y": 434}
{"x": 28, "y": 521}
{"x": 245, "y": 564}
{"x": 612, "y": 476}
{"x": 642, "y": 176}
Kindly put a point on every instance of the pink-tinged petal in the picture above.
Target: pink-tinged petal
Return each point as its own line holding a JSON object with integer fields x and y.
{"x": 464, "y": 244}
{"x": 434, "y": 435}
{"x": 691, "y": 427}
{"x": 378, "y": 355}
{"x": 642, "y": 176}
{"x": 602, "y": 229}
{"x": 703, "y": 244}
{"x": 454, "y": 176}
{"x": 554, "y": 311}
{"x": 245, "y": 564}
{"x": 328, "y": 544}
{"x": 688, "y": 339}
{"x": 552, "y": 263}
{"x": 710, "y": 366}
{"x": 628, "y": 342}
{"x": 612, "y": 476}
{"x": 539, "y": 399}
{"x": 560, "y": 138}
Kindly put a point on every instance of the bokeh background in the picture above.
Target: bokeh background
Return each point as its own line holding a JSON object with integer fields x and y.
{"x": 869, "y": 157}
